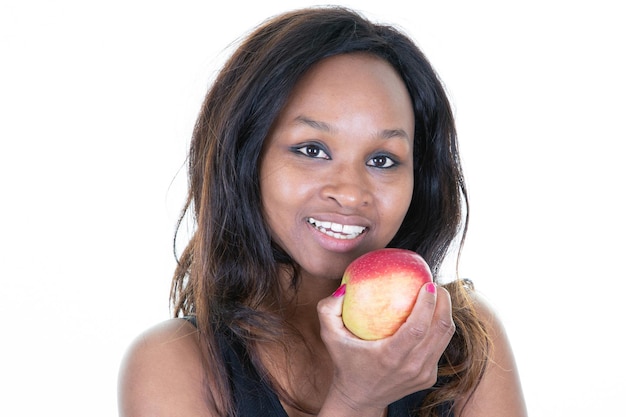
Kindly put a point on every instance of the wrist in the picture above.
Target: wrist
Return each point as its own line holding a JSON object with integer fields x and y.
{"x": 339, "y": 404}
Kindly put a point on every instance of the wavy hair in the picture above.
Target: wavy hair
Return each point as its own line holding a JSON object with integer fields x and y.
{"x": 227, "y": 276}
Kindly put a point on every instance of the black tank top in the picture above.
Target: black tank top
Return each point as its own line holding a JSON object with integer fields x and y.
{"x": 255, "y": 398}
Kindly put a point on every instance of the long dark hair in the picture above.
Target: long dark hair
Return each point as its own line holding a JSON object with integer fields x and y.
{"x": 227, "y": 275}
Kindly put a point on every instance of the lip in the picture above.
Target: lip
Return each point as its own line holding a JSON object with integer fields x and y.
{"x": 345, "y": 243}
{"x": 337, "y": 230}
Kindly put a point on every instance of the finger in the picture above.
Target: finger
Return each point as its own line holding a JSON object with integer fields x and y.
{"x": 418, "y": 322}
{"x": 442, "y": 323}
{"x": 329, "y": 310}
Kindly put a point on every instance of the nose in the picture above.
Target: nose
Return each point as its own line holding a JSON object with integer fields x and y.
{"x": 348, "y": 188}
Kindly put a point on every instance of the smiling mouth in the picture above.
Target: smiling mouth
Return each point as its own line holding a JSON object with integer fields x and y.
{"x": 337, "y": 230}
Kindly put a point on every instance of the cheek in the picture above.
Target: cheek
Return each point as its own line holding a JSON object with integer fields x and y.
{"x": 281, "y": 193}
{"x": 396, "y": 203}
{"x": 276, "y": 188}
{"x": 270, "y": 195}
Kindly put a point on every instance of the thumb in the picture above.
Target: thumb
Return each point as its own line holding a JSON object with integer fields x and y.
{"x": 418, "y": 323}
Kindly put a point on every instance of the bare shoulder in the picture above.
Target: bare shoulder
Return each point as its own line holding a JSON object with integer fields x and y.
{"x": 499, "y": 392}
{"x": 162, "y": 373}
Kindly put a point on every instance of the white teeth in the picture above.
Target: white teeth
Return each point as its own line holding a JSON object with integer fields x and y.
{"x": 352, "y": 230}
{"x": 336, "y": 230}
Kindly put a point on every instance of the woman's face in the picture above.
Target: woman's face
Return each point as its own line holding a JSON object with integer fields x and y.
{"x": 336, "y": 172}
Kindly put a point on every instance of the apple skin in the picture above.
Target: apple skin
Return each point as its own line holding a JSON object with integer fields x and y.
{"x": 381, "y": 289}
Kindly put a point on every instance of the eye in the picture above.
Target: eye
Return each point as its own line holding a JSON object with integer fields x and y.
{"x": 312, "y": 151}
{"x": 381, "y": 161}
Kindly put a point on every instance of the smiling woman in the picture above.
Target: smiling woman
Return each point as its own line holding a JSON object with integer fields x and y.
{"x": 324, "y": 137}
{"x": 336, "y": 160}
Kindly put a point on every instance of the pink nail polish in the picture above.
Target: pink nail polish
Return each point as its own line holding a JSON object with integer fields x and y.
{"x": 340, "y": 291}
{"x": 430, "y": 287}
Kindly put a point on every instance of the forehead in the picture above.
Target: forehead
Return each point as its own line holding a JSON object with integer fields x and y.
{"x": 351, "y": 71}
{"x": 359, "y": 82}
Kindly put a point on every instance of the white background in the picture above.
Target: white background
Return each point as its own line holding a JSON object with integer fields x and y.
{"x": 97, "y": 104}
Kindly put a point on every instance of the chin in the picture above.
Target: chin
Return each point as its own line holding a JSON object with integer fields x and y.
{"x": 332, "y": 268}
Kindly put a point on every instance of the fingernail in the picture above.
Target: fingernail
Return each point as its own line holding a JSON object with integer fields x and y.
{"x": 340, "y": 291}
{"x": 430, "y": 287}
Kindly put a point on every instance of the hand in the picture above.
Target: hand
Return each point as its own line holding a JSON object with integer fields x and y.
{"x": 373, "y": 374}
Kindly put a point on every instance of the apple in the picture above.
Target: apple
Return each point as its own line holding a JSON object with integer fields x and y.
{"x": 381, "y": 289}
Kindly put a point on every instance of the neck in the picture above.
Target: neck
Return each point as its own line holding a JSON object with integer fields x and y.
{"x": 301, "y": 364}
{"x": 301, "y": 303}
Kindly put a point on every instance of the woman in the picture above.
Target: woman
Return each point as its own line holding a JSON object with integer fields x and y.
{"x": 324, "y": 137}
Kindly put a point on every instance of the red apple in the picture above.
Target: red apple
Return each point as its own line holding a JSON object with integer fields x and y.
{"x": 381, "y": 289}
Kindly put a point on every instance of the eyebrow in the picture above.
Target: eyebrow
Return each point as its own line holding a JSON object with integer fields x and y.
{"x": 325, "y": 127}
